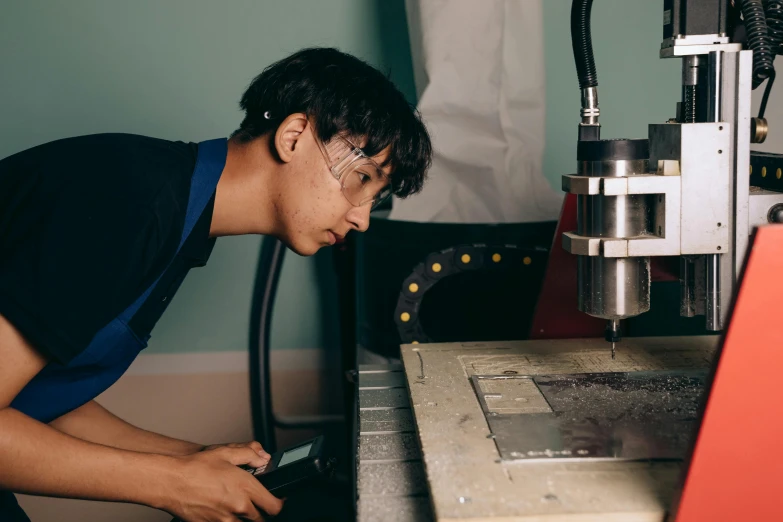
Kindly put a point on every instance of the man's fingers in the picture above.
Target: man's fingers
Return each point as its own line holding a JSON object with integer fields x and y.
{"x": 258, "y": 448}
{"x": 250, "y": 513}
{"x": 242, "y": 456}
{"x": 264, "y": 500}
{"x": 254, "y": 445}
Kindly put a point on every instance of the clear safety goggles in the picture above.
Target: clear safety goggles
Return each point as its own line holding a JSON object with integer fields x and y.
{"x": 361, "y": 178}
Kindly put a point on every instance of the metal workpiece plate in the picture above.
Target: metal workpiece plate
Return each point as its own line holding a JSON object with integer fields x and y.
{"x": 383, "y": 398}
{"x": 380, "y": 380}
{"x": 467, "y": 477}
{"x": 631, "y": 416}
{"x": 392, "y": 479}
{"x": 385, "y": 447}
{"x": 394, "y": 509}
{"x": 507, "y": 395}
{"x": 385, "y": 421}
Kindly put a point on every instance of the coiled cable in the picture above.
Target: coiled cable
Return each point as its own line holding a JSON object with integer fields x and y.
{"x": 759, "y": 40}
{"x": 773, "y": 12}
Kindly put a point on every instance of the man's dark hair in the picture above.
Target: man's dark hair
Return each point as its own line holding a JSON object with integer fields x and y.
{"x": 344, "y": 96}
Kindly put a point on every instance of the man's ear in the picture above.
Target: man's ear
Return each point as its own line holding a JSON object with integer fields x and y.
{"x": 288, "y": 134}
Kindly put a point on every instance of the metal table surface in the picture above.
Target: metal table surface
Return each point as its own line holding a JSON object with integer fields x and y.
{"x": 576, "y": 445}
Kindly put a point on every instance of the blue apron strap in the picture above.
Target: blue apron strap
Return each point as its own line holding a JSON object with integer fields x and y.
{"x": 209, "y": 166}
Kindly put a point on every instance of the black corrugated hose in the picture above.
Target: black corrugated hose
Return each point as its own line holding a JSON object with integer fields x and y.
{"x": 763, "y": 26}
{"x": 582, "y": 43}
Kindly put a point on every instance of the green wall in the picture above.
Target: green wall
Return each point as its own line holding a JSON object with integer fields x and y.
{"x": 635, "y": 87}
{"x": 176, "y": 69}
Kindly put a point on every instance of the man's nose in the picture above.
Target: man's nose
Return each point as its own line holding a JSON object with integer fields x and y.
{"x": 359, "y": 217}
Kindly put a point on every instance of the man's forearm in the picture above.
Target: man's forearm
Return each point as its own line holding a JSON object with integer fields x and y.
{"x": 94, "y": 423}
{"x": 37, "y": 459}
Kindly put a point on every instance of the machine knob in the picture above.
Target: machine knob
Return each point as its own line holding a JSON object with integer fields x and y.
{"x": 775, "y": 214}
{"x": 758, "y": 130}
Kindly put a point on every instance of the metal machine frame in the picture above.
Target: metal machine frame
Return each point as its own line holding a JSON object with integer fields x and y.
{"x": 699, "y": 181}
{"x": 683, "y": 192}
{"x": 695, "y": 192}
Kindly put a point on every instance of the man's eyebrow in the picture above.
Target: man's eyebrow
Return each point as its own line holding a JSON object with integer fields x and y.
{"x": 381, "y": 168}
{"x": 374, "y": 174}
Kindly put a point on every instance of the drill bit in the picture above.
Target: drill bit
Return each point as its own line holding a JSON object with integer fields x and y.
{"x": 612, "y": 333}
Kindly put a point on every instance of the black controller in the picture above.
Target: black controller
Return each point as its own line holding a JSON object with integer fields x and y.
{"x": 293, "y": 468}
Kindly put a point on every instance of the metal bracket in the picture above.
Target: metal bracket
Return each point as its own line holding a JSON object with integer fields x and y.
{"x": 587, "y": 185}
{"x": 703, "y": 153}
{"x": 695, "y": 39}
{"x": 578, "y": 245}
{"x": 687, "y": 50}
{"x": 666, "y": 210}
{"x": 691, "y": 214}
{"x": 620, "y": 186}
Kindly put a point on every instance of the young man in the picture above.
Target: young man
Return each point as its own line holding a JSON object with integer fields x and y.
{"x": 98, "y": 232}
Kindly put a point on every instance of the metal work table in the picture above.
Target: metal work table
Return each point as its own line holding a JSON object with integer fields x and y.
{"x": 478, "y": 409}
{"x": 468, "y": 477}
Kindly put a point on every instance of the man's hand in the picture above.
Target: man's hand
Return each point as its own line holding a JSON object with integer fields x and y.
{"x": 210, "y": 487}
{"x": 36, "y": 458}
{"x": 253, "y": 445}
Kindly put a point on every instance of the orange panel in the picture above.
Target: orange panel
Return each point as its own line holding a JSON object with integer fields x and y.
{"x": 736, "y": 469}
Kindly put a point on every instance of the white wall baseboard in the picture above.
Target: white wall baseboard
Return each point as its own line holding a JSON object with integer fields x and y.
{"x": 225, "y": 362}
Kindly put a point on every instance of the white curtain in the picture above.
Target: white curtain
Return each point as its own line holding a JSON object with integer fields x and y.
{"x": 479, "y": 71}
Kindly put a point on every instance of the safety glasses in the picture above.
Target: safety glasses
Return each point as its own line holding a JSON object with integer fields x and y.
{"x": 362, "y": 180}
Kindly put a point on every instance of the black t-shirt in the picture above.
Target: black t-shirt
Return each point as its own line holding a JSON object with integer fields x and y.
{"x": 86, "y": 225}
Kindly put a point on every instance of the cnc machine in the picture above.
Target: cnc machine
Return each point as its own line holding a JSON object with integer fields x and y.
{"x": 558, "y": 428}
{"x": 685, "y": 191}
